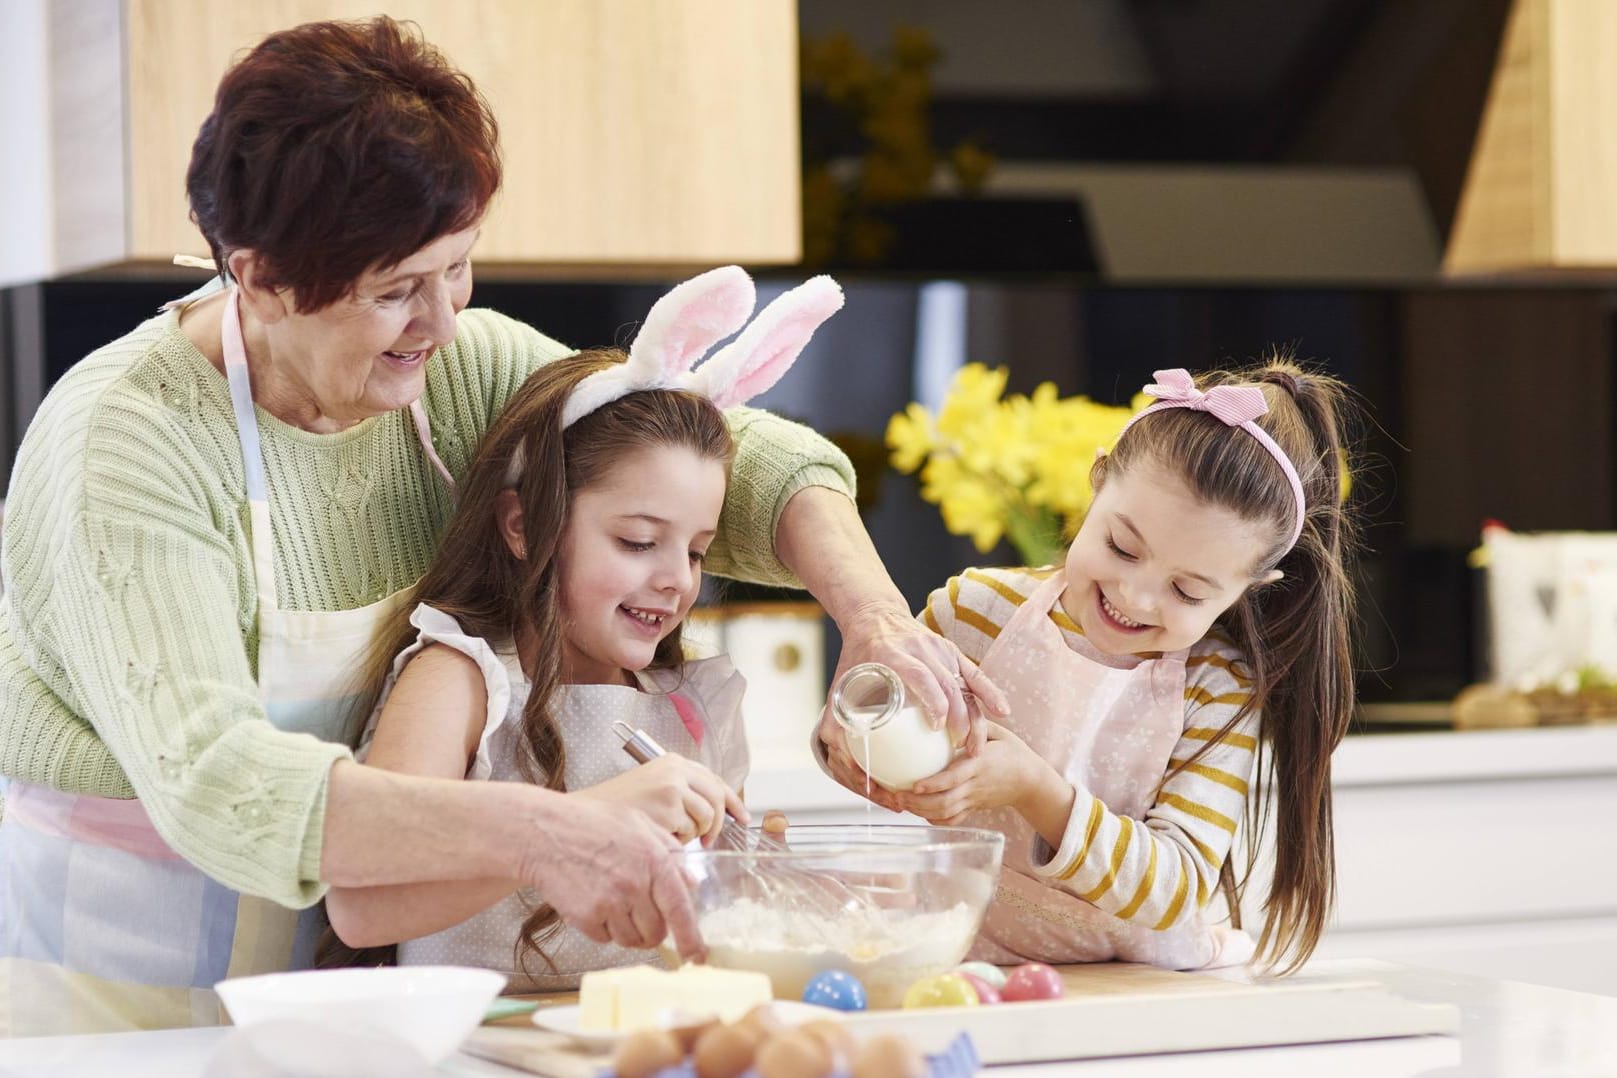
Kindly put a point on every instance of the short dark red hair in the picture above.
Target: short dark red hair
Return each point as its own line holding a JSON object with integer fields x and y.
{"x": 336, "y": 146}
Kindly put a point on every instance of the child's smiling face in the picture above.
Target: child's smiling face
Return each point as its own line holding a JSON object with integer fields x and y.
{"x": 1154, "y": 566}
{"x": 630, "y": 560}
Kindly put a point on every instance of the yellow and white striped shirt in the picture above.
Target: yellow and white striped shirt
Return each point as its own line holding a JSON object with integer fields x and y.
{"x": 1141, "y": 871}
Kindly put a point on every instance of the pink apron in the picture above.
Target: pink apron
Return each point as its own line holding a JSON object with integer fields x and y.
{"x": 1109, "y": 724}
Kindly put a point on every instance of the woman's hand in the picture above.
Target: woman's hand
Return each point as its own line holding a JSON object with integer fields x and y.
{"x": 1005, "y": 773}
{"x": 949, "y": 686}
{"x": 840, "y": 763}
{"x": 677, "y": 794}
{"x": 613, "y": 873}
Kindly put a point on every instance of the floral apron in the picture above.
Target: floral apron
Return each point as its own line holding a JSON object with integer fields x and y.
{"x": 103, "y": 926}
{"x": 1109, "y": 725}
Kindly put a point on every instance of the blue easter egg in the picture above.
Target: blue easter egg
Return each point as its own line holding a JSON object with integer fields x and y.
{"x": 835, "y": 988}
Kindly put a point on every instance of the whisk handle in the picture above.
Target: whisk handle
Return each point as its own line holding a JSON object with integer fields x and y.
{"x": 640, "y": 746}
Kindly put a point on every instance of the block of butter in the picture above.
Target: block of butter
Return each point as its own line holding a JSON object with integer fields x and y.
{"x": 639, "y": 997}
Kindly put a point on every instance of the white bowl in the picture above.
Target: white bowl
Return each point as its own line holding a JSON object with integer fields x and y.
{"x": 433, "y": 1008}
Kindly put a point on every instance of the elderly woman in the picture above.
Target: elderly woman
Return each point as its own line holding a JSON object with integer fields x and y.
{"x": 209, "y": 516}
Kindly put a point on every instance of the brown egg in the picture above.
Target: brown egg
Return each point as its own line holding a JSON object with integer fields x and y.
{"x": 764, "y": 1018}
{"x": 687, "y": 1036}
{"x": 647, "y": 1052}
{"x": 793, "y": 1054}
{"x": 836, "y": 1038}
{"x": 890, "y": 1055}
{"x": 726, "y": 1051}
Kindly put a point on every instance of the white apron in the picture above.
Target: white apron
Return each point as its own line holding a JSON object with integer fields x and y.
{"x": 1109, "y": 725}
{"x": 103, "y": 927}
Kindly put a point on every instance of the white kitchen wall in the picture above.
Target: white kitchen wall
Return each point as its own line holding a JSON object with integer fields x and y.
{"x": 25, "y": 188}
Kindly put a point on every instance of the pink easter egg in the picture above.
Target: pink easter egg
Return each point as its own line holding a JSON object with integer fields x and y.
{"x": 986, "y": 993}
{"x": 1032, "y": 980}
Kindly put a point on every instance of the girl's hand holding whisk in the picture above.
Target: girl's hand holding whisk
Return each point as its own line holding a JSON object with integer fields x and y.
{"x": 1005, "y": 773}
{"x": 681, "y": 796}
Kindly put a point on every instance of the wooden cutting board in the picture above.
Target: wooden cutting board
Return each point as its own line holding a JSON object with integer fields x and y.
{"x": 1111, "y": 1009}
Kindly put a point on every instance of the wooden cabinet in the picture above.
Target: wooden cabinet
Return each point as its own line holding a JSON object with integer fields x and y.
{"x": 1537, "y": 194}
{"x": 635, "y": 132}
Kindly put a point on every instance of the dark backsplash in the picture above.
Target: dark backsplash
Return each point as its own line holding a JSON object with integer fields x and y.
{"x": 1467, "y": 420}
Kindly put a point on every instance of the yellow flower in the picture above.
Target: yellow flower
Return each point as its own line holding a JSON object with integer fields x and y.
{"x": 974, "y": 394}
{"x": 909, "y": 436}
{"x": 995, "y": 466}
{"x": 972, "y": 507}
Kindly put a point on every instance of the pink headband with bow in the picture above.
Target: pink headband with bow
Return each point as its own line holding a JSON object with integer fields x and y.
{"x": 1235, "y": 406}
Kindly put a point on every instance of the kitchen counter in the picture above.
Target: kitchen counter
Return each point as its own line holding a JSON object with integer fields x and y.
{"x": 1475, "y": 851}
{"x": 1508, "y": 1030}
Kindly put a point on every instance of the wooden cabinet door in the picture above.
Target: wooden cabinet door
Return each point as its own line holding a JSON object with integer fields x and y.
{"x": 635, "y": 132}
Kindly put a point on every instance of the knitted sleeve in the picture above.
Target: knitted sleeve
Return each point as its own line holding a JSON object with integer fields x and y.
{"x": 132, "y": 595}
{"x": 775, "y": 458}
{"x": 42, "y": 740}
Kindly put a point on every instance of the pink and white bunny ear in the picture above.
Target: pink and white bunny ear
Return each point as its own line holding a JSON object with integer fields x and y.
{"x": 767, "y": 348}
{"x": 679, "y": 329}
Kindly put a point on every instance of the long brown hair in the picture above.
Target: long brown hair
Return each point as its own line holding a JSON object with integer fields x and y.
{"x": 475, "y": 578}
{"x": 1294, "y": 633}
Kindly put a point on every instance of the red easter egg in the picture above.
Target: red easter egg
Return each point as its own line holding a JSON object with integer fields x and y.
{"x": 1033, "y": 980}
{"x": 986, "y": 993}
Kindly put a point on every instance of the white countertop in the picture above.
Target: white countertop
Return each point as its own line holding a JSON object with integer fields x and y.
{"x": 1509, "y": 1030}
{"x": 1380, "y": 759}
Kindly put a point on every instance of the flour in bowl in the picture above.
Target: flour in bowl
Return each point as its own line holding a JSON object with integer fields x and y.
{"x": 887, "y": 949}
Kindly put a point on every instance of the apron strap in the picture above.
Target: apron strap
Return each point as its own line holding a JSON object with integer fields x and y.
{"x": 252, "y": 454}
{"x": 423, "y": 431}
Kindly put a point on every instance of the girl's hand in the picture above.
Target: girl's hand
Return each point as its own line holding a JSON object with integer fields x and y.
{"x": 950, "y": 687}
{"x": 680, "y": 796}
{"x": 842, "y": 767}
{"x": 1004, "y": 773}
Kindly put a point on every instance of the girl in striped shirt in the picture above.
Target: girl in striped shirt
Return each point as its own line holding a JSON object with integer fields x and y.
{"x": 1201, "y": 613}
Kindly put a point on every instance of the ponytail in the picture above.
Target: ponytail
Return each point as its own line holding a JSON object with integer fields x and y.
{"x": 1294, "y": 633}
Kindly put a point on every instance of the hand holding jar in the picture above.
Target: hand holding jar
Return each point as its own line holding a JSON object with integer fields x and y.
{"x": 887, "y": 732}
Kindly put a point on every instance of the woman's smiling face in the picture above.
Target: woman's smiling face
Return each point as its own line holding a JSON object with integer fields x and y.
{"x": 367, "y": 353}
{"x": 1153, "y": 566}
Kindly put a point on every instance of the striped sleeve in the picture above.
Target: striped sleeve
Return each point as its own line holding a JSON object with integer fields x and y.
{"x": 1160, "y": 870}
{"x": 972, "y": 608}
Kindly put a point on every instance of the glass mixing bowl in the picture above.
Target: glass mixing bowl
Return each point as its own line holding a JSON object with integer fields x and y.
{"x": 888, "y": 903}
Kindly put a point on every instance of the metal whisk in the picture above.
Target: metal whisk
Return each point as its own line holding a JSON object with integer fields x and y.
{"x": 779, "y": 886}
{"x": 643, "y": 748}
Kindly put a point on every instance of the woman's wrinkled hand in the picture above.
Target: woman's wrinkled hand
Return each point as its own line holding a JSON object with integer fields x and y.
{"x": 677, "y": 794}
{"x": 948, "y": 686}
{"x": 614, "y": 874}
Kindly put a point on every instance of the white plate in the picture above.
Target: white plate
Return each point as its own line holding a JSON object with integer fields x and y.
{"x": 564, "y": 1020}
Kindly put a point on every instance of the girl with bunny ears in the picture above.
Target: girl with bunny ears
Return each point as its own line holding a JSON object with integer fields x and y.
{"x": 554, "y": 606}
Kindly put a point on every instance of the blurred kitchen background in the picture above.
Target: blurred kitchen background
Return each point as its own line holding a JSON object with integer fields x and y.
{"x": 1418, "y": 197}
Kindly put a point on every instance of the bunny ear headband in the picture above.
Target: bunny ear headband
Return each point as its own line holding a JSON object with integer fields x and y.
{"x": 695, "y": 316}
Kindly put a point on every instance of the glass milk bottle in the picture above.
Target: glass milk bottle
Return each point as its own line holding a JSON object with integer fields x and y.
{"x": 888, "y": 734}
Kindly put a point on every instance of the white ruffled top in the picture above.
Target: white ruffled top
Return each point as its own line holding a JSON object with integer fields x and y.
{"x": 694, "y": 710}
